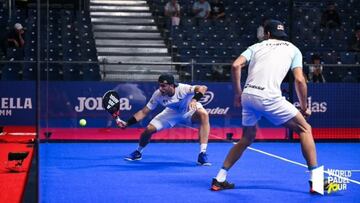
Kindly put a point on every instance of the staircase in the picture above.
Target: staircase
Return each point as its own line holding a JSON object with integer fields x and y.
{"x": 127, "y": 37}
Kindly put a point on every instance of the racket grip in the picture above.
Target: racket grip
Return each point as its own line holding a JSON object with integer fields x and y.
{"x": 120, "y": 122}
{"x": 118, "y": 119}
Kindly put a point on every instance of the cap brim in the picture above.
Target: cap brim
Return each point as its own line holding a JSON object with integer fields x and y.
{"x": 279, "y": 34}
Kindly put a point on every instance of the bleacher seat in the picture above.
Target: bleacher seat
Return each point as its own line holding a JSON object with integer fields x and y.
{"x": 50, "y": 71}
{"x": 29, "y": 72}
{"x": 330, "y": 57}
{"x": 10, "y": 72}
{"x": 330, "y": 75}
{"x": 347, "y": 58}
{"x": 349, "y": 77}
{"x": 71, "y": 38}
{"x": 91, "y": 72}
{"x": 71, "y": 72}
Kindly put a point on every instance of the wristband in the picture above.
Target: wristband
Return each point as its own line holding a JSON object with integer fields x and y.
{"x": 131, "y": 121}
{"x": 198, "y": 96}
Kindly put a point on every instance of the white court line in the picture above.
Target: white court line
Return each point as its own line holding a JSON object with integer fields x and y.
{"x": 300, "y": 164}
{"x": 281, "y": 158}
{"x": 276, "y": 156}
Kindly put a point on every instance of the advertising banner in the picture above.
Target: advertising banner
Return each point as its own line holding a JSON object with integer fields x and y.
{"x": 17, "y": 103}
{"x": 63, "y": 104}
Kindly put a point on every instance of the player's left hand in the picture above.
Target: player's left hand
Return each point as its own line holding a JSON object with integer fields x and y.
{"x": 192, "y": 105}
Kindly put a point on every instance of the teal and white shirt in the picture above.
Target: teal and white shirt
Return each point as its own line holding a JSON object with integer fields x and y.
{"x": 269, "y": 61}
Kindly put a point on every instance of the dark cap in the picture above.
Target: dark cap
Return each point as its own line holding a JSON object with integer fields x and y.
{"x": 167, "y": 79}
{"x": 275, "y": 27}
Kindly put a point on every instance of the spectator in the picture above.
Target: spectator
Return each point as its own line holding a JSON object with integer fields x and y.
{"x": 330, "y": 17}
{"x": 316, "y": 70}
{"x": 16, "y": 37}
{"x": 260, "y": 30}
{"x": 217, "y": 10}
{"x": 355, "y": 41}
{"x": 201, "y": 9}
{"x": 172, "y": 10}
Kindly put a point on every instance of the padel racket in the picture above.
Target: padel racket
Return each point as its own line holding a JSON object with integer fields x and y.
{"x": 111, "y": 103}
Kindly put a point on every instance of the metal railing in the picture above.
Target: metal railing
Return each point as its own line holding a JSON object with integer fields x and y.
{"x": 191, "y": 64}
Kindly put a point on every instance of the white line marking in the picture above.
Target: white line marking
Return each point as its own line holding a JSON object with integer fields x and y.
{"x": 278, "y": 157}
{"x": 300, "y": 164}
{"x": 282, "y": 158}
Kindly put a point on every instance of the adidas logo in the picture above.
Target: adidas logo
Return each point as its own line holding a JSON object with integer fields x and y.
{"x": 112, "y": 101}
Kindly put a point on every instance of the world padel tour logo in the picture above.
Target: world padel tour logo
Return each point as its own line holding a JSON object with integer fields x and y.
{"x": 336, "y": 180}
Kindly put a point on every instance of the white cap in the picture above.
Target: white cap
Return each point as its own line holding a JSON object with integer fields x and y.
{"x": 18, "y": 26}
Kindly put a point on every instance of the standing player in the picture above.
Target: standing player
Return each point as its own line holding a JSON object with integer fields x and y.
{"x": 181, "y": 102}
{"x": 269, "y": 62}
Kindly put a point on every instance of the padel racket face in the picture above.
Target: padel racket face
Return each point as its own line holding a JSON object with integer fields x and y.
{"x": 111, "y": 101}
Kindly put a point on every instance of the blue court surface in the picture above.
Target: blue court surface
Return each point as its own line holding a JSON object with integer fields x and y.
{"x": 96, "y": 172}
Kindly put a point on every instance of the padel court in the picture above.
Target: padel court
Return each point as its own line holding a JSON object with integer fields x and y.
{"x": 96, "y": 172}
{"x": 85, "y": 163}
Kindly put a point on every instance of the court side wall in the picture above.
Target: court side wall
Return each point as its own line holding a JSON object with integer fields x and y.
{"x": 335, "y": 106}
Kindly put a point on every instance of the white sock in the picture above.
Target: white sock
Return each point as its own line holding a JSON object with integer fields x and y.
{"x": 311, "y": 172}
{"x": 311, "y": 175}
{"x": 140, "y": 149}
{"x": 203, "y": 147}
{"x": 221, "y": 176}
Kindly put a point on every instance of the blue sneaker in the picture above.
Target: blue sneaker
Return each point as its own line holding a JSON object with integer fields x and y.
{"x": 135, "y": 156}
{"x": 203, "y": 160}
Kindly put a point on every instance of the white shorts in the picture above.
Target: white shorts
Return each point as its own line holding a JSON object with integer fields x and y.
{"x": 169, "y": 117}
{"x": 277, "y": 111}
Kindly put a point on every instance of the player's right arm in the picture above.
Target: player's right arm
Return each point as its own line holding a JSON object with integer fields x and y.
{"x": 141, "y": 114}
{"x": 301, "y": 90}
{"x": 238, "y": 64}
{"x": 300, "y": 83}
{"x": 138, "y": 116}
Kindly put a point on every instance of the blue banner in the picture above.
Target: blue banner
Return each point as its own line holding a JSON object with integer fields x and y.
{"x": 17, "y": 103}
{"x": 63, "y": 104}
{"x": 334, "y": 105}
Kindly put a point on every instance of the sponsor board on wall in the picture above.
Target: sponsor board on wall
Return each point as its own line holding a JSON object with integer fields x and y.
{"x": 17, "y": 103}
{"x": 63, "y": 103}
